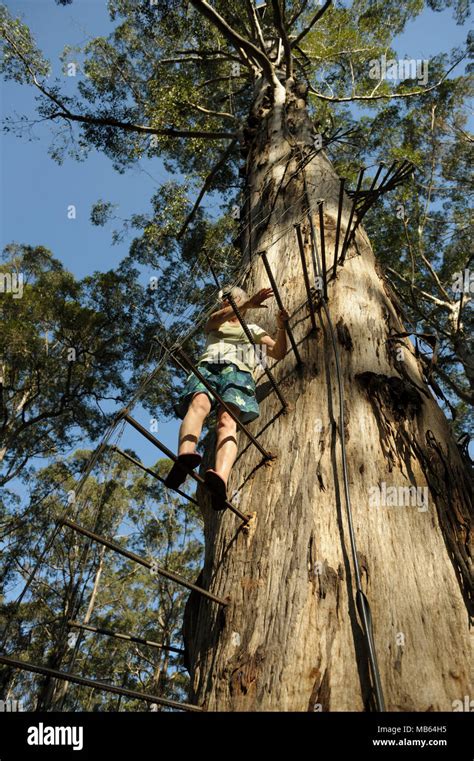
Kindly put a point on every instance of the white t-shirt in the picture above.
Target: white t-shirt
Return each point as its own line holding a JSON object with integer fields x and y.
{"x": 230, "y": 344}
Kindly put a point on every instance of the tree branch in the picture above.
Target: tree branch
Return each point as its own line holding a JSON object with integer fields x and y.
{"x": 388, "y": 96}
{"x": 444, "y": 304}
{"x": 469, "y": 138}
{"x": 464, "y": 395}
{"x": 140, "y": 128}
{"x": 297, "y": 14}
{"x": 236, "y": 39}
{"x": 205, "y": 187}
{"x": 203, "y": 110}
{"x": 415, "y": 305}
{"x": 32, "y": 73}
{"x": 252, "y": 14}
{"x": 206, "y": 54}
{"x": 284, "y": 36}
{"x": 311, "y": 23}
{"x": 65, "y": 113}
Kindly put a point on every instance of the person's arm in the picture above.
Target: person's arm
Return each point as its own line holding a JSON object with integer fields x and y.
{"x": 222, "y": 315}
{"x": 217, "y": 318}
{"x": 277, "y": 347}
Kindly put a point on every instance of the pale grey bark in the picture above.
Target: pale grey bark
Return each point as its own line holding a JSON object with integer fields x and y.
{"x": 291, "y": 639}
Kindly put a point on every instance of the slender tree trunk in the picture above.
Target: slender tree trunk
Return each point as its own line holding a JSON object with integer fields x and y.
{"x": 53, "y": 690}
{"x": 49, "y": 687}
{"x": 291, "y": 639}
{"x": 160, "y": 673}
{"x": 62, "y": 687}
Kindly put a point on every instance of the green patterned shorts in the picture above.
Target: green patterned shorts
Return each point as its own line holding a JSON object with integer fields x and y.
{"x": 233, "y": 385}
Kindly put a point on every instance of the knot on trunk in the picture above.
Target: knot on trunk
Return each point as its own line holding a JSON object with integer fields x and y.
{"x": 343, "y": 335}
{"x": 244, "y": 676}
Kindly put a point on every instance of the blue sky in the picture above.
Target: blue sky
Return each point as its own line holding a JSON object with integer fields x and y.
{"x": 36, "y": 191}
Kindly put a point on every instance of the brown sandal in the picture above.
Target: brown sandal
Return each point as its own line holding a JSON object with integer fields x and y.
{"x": 179, "y": 471}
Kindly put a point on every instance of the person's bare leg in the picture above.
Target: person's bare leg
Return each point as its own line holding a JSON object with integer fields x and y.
{"x": 226, "y": 445}
{"x": 191, "y": 427}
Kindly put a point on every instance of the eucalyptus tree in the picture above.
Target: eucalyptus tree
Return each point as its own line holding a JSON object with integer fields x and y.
{"x": 367, "y": 495}
{"x": 69, "y": 351}
{"x": 73, "y": 580}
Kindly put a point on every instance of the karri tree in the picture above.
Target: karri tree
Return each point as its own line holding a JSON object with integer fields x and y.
{"x": 258, "y": 97}
{"x": 65, "y": 349}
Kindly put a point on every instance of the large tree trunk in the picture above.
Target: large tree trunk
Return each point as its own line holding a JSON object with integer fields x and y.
{"x": 291, "y": 639}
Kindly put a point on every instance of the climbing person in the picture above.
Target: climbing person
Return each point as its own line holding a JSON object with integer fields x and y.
{"x": 229, "y": 364}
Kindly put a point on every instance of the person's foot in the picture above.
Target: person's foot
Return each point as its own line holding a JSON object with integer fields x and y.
{"x": 218, "y": 488}
{"x": 179, "y": 471}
